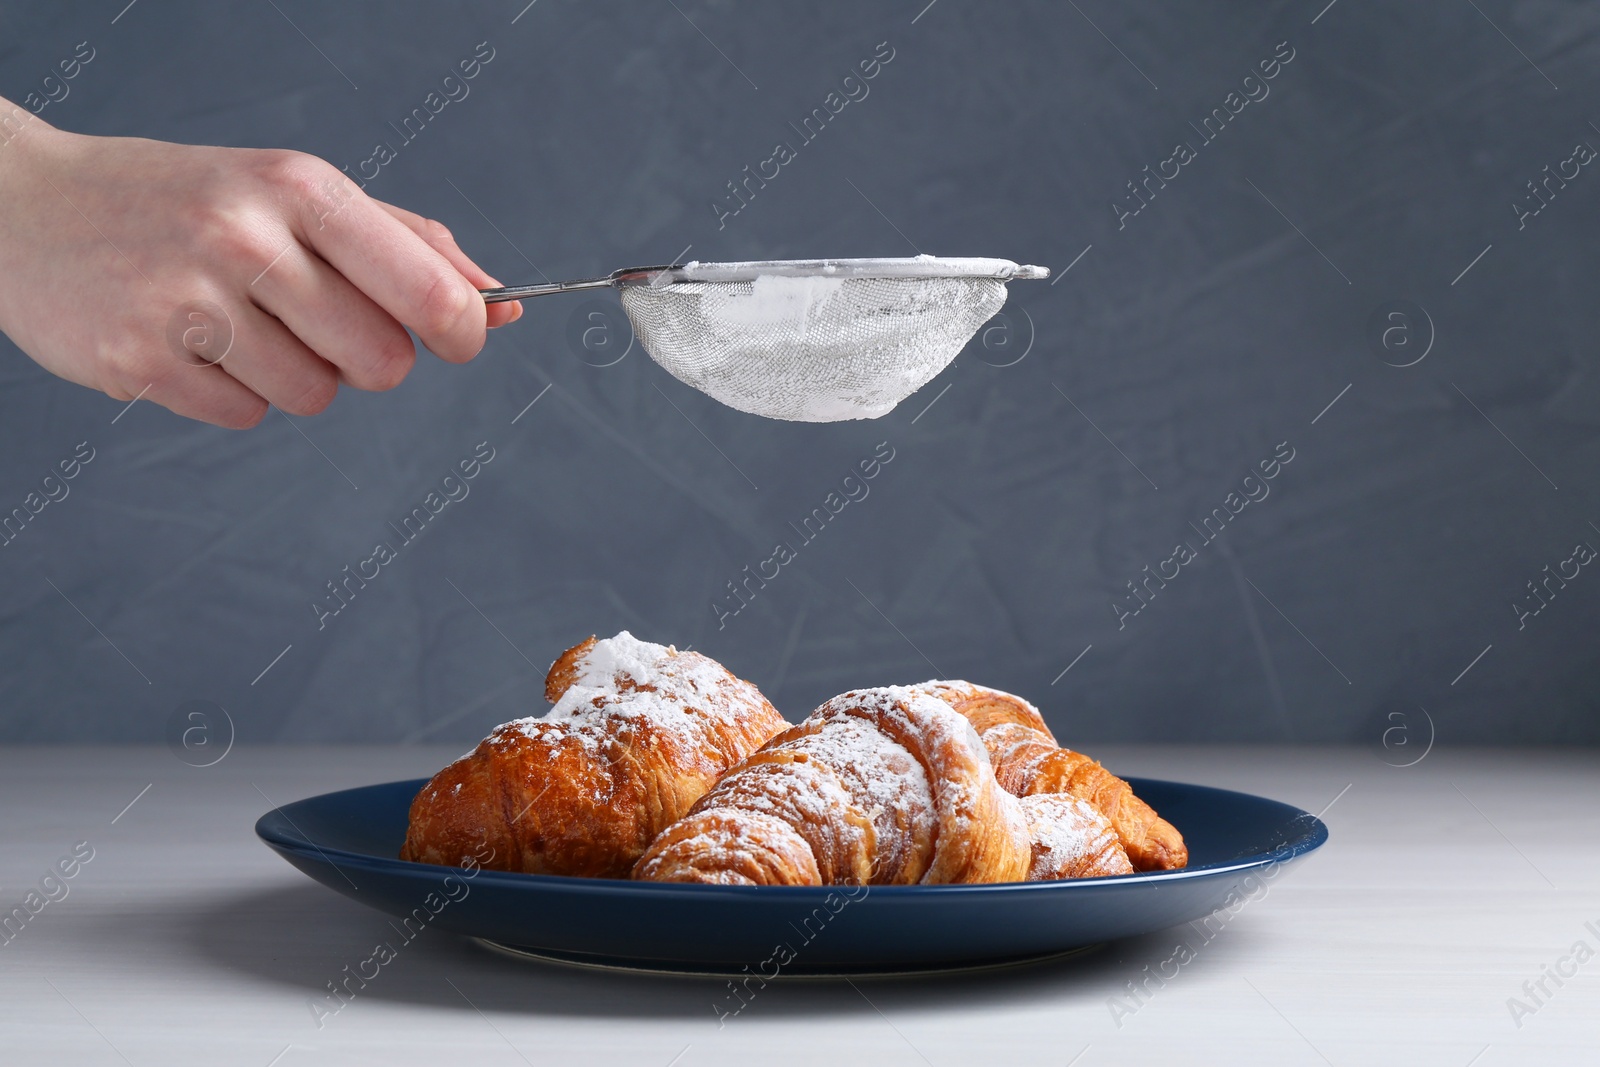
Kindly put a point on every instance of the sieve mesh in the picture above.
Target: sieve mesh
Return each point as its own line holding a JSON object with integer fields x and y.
{"x": 810, "y": 349}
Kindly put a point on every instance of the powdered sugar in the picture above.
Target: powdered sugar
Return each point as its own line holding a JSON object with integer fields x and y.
{"x": 774, "y": 300}
{"x": 622, "y": 656}
{"x": 1066, "y": 831}
{"x": 811, "y": 346}
{"x": 624, "y": 681}
{"x": 804, "y": 787}
{"x": 954, "y": 797}
{"x": 882, "y": 776}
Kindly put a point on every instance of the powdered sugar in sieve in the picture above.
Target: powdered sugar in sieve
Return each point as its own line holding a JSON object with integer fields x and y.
{"x": 808, "y": 340}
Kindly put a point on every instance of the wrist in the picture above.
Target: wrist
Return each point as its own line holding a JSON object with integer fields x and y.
{"x": 19, "y": 127}
{"x": 27, "y": 145}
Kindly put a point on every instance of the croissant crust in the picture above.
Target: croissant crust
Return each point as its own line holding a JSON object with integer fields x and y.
{"x": 877, "y": 787}
{"x": 1028, "y": 761}
{"x": 638, "y": 733}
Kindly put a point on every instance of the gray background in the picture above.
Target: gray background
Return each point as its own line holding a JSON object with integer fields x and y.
{"x": 1208, "y": 330}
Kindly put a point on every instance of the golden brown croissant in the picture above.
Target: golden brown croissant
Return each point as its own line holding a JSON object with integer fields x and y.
{"x": 638, "y": 732}
{"x": 1027, "y": 760}
{"x": 1071, "y": 839}
{"x": 876, "y": 787}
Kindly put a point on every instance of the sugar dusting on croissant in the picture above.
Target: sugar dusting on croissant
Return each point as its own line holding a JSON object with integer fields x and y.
{"x": 638, "y": 733}
{"x": 877, "y": 786}
{"x": 1071, "y": 839}
{"x": 663, "y": 765}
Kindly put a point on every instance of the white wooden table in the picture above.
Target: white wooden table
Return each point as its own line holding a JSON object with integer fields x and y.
{"x": 1446, "y": 886}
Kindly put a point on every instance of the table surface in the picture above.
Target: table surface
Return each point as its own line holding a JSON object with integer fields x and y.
{"x": 1445, "y": 887}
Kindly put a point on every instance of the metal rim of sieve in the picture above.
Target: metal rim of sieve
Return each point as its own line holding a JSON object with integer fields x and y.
{"x": 746, "y": 271}
{"x": 657, "y": 277}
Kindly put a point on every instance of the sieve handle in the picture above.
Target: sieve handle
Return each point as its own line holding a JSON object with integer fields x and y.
{"x": 522, "y": 292}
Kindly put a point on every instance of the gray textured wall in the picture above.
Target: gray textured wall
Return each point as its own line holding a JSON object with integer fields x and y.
{"x": 1192, "y": 338}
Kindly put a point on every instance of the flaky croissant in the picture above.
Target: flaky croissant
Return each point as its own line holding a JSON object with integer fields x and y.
{"x": 638, "y": 733}
{"x": 1071, "y": 839}
{"x": 1027, "y": 761}
{"x": 876, "y": 787}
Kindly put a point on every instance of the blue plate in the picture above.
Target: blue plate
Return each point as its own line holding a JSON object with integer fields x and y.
{"x": 348, "y": 841}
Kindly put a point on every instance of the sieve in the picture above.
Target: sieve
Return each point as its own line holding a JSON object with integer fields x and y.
{"x": 808, "y": 340}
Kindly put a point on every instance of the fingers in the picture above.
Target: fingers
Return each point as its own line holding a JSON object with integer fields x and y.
{"x": 334, "y": 305}
{"x": 263, "y": 362}
{"x": 274, "y": 364}
{"x": 443, "y": 241}
{"x": 399, "y": 271}
{"x": 208, "y": 394}
{"x": 328, "y": 319}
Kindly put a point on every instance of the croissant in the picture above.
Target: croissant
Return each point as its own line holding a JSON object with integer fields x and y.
{"x": 876, "y": 787}
{"x": 1028, "y": 761}
{"x": 1071, "y": 839}
{"x": 638, "y": 732}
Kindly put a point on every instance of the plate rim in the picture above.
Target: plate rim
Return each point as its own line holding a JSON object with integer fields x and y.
{"x": 1315, "y": 835}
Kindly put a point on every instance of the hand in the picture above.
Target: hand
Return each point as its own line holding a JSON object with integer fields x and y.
{"x": 215, "y": 281}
